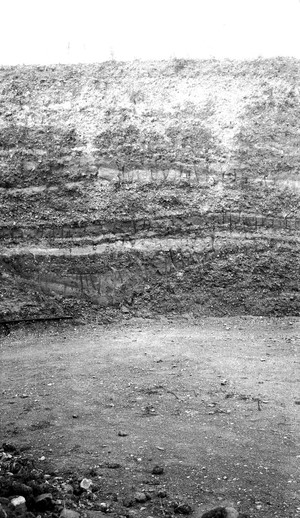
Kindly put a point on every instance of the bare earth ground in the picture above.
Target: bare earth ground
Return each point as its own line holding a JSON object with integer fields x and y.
{"x": 216, "y": 402}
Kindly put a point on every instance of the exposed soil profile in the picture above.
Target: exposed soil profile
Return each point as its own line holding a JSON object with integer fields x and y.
{"x": 150, "y": 188}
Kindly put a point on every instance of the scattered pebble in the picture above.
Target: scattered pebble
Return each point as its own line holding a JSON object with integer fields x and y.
{"x": 86, "y": 483}
{"x": 67, "y": 488}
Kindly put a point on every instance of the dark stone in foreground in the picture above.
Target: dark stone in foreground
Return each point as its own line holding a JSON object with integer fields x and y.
{"x": 183, "y": 509}
{"x": 223, "y": 512}
{"x": 44, "y": 502}
{"x": 9, "y": 448}
{"x": 218, "y": 512}
{"x": 113, "y": 465}
{"x": 140, "y": 497}
{"x": 21, "y": 489}
{"x": 128, "y": 501}
{"x": 157, "y": 470}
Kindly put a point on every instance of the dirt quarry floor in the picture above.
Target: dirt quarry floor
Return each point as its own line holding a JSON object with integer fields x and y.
{"x": 213, "y": 402}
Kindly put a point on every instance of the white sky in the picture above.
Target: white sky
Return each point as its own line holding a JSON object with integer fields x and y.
{"x": 72, "y": 31}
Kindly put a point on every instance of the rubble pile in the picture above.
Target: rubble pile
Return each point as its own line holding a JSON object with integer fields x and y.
{"x": 27, "y": 491}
